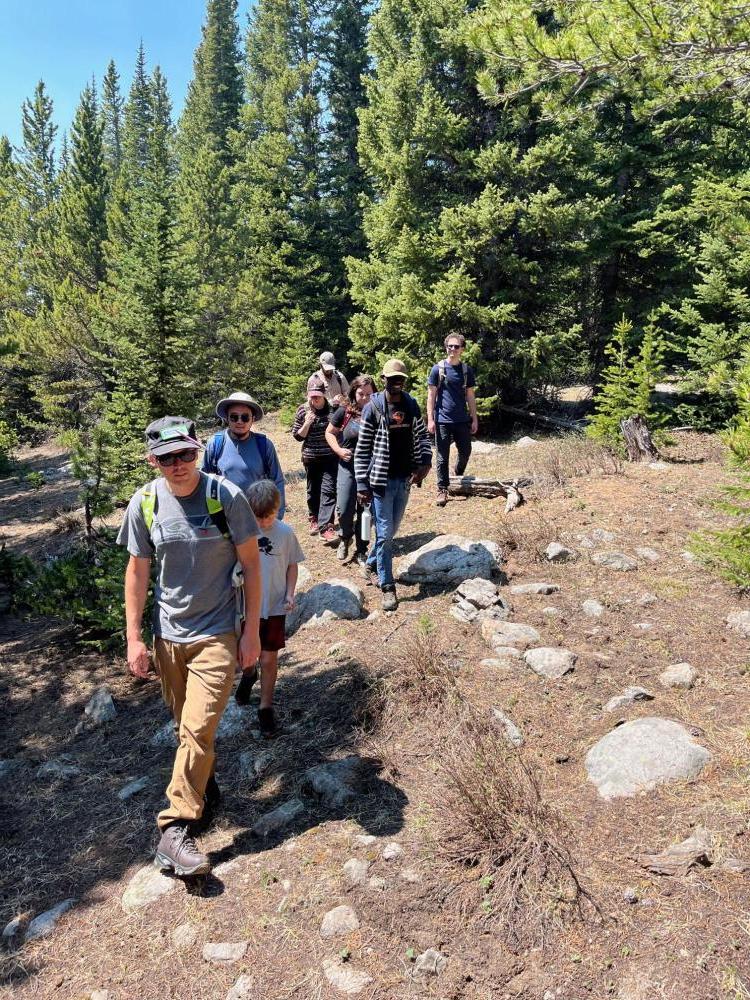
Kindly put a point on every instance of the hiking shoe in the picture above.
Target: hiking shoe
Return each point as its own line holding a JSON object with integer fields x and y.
{"x": 328, "y": 536}
{"x": 313, "y": 522}
{"x": 390, "y": 601}
{"x": 370, "y": 574}
{"x": 442, "y": 498}
{"x": 267, "y": 722}
{"x": 361, "y": 558}
{"x": 177, "y": 850}
{"x": 242, "y": 694}
{"x": 343, "y": 550}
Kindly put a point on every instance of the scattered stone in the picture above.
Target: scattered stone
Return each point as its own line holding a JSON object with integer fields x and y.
{"x": 411, "y": 875}
{"x": 450, "y": 559}
{"x": 243, "y": 988}
{"x": 392, "y": 851}
{"x": 329, "y": 601}
{"x": 377, "y": 884}
{"x": 100, "y": 709}
{"x": 484, "y": 447}
{"x": 650, "y": 555}
{"x": 628, "y": 696}
{"x": 99, "y": 995}
{"x": 235, "y": 721}
{"x": 602, "y": 537}
{"x": 735, "y": 865}
{"x": 658, "y": 466}
{"x": 366, "y": 839}
{"x": 534, "y": 588}
{"x": 304, "y": 576}
{"x": 430, "y": 963}
{"x": 44, "y": 924}
{"x": 592, "y": 608}
{"x": 615, "y": 560}
{"x": 337, "y": 649}
{"x": 340, "y": 920}
{"x": 133, "y": 787}
{"x": 557, "y": 553}
{"x": 678, "y": 675}
{"x": 643, "y": 626}
{"x": 165, "y": 736}
{"x": 509, "y": 634}
{"x": 12, "y": 928}
{"x": 184, "y": 936}
{"x": 344, "y": 978}
{"x": 551, "y": 612}
{"x": 224, "y": 952}
{"x": 646, "y": 599}
{"x": 642, "y": 754}
{"x": 550, "y": 661}
{"x": 513, "y": 734}
{"x": 479, "y": 592}
{"x": 146, "y": 886}
{"x": 335, "y": 782}
{"x": 680, "y": 858}
{"x": 631, "y": 896}
{"x": 220, "y": 871}
{"x": 280, "y": 817}
{"x": 59, "y": 768}
{"x": 373, "y": 616}
{"x": 689, "y": 557}
{"x": 526, "y": 442}
{"x": 739, "y": 621}
{"x": 356, "y": 871}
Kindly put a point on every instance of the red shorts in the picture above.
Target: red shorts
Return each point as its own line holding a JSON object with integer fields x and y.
{"x": 272, "y": 633}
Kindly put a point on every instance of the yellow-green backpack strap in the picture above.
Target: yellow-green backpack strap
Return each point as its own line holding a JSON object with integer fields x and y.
{"x": 214, "y": 504}
{"x": 148, "y": 503}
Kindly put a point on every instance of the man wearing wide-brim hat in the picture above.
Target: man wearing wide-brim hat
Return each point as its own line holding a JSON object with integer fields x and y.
{"x": 393, "y": 453}
{"x": 241, "y": 454}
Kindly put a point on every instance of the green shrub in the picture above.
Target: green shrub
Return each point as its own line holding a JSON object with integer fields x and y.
{"x": 8, "y": 441}
{"x": 35, "y": 480}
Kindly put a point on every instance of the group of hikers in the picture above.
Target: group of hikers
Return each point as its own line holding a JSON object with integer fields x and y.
{"x": 227, "y": 562}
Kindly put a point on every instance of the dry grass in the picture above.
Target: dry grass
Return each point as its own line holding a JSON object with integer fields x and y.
{"x": 554, "y": 462}
{"x": 527, "y": 533}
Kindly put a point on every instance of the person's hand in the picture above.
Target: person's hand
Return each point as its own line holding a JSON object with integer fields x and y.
{"x": 345, "y": 454}
{"x": 474, "y": 425}
{"x": 364, "y": 496}
{"x": 430, "y": 426}
{"x": 139, "y": 662}
{"x": 310, "y": 418}
{"x": 419, "y": 475}
{"x": 289, "y": 602}
{"x": 249, "y": 649}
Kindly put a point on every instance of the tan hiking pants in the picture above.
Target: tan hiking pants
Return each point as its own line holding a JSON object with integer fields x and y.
{"x": 196, "y": 680}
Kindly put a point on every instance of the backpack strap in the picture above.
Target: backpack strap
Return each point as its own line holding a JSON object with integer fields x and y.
{"x": 214, "y": 505}
{"x": 149, "y": 503}
{"x": 261, "y": 443}
{"x": 215, "y": 449}
{"x": 442, "y": 376}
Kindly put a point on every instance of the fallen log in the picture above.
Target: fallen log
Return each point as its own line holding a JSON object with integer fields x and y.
{"x": 469, "y": 486}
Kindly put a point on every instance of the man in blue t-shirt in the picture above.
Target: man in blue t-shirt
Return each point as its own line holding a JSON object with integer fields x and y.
{"x": 451, "y": 411}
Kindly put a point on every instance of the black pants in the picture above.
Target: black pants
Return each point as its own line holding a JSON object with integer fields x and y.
{"x": 444, "y": 434}
{"x": 321, "y": 487}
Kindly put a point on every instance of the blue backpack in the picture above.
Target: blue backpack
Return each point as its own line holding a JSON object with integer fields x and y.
{"x": 216, "y": 447}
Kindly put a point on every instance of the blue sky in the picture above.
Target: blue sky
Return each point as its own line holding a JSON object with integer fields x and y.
{"x": 64, "y": 42}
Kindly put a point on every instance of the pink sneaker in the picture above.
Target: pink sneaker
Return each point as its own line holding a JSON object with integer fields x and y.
{"x": 329, "y": 536}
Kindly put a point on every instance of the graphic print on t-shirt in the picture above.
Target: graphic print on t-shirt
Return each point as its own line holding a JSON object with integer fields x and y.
{"x": 191, "y": 527}
{"x": 265, "y": 545}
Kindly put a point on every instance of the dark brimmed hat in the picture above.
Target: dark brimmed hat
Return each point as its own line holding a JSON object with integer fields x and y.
{"x": 394, "y": 369}
{"x": 239, "y": 399}
{"x": 316, "y": 385}
{"x": 171, "y": 434}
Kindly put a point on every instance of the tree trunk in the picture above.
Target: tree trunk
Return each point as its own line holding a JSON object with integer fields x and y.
{"x": 638, "y": 439}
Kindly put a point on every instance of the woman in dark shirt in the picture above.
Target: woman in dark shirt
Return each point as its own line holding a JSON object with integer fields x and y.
{"x": 341, "y": 435}
{"x": 310, "y": 423}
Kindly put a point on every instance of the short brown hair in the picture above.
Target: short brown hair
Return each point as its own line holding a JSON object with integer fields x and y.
{"x": 264, "y": 498}
{"x": 458, "y": 336}
{"x": 357, "y": 383}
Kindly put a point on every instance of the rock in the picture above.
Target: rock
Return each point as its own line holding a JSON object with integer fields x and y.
{"x": 550, "y": 662}
{"x": 534, "y": 588}
{"x": 450, "y": 559}
{"x": 480, "y": 592}
{"x": 678, "y": 675}
{"x": 526, "y": 442}
{"x": 499, "y": 633}
{"x": 464, "y": 615}
{"x": 689, "y": 557}
{"x": 592, "y": 608}
{"x": 338, "y": 649}
{"x": 165, "y": 736}
{"x": 340, "y": 920}
{"x": 335, "y": 782}
{"x": 366, "y": 839}
{"x": 100, "y": 708}
{"x": 146, "y": 886}
{"x": 430, "y": 963}
{"x": 355, "y": 871}
{"x": 329, "y": 601}
{"x": 739, "y": 621}
{"x": 557, "y": 553}
{"x": 512, "y": 733}
{"x": 243, "y": 989}
{"x": 44, "y": 924}
{"x": 254, "y": 764}
{"x": 646, "y": 599}
{"x": 133, "y": 787}
{"x": 392, "y": 851}
{"x": 184, "y": 936}
{"x": 601, "y": 536}
{"x": 551, "y": 612}
{"x": 628, "y": 696}
{"x": 643, "y": 626}
{"x": 680, "y": 858}
{"x": 484, "y": 448}
{"x": 650, "y": 555}
{"x": 344, "y": 978}
{"x": 59, "y": 768}
{"x": 615, "y": 560}
{"x": 630, "y": 895}
{"x": 642, "y": 754}
{"x": 411, "y": 875}
{"x": 280, "y": 817}
{"x": 224, "y": 952}
{"x": 304, "y": 577}
{"x": 500, "y": 611}
{"x": 735, "y": 865}
{"x": 99, "y": 995}
{"x": 12, "y": 928}
{"x": 234, "y": 721}
{"x": 377, "y": 884}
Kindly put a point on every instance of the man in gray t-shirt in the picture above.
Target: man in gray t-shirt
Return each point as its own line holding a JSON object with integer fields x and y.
{"x": 196, "y": 528}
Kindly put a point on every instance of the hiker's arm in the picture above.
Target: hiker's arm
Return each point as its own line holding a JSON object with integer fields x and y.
{"x": 137, "y": 576}
{"x": 249, "y": 557}
{"x": 471, "y": 402}
{"x": 431, "y": 397}
{"x": 292, "y": 572}
{"x": 331, "y": 437}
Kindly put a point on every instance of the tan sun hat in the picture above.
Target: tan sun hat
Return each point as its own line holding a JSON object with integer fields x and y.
{"x": 239, "y": 399}
{"x": 393, "y": 368}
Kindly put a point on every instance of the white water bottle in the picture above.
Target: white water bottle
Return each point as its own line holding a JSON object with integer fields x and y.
{"x": 365, "y": 525}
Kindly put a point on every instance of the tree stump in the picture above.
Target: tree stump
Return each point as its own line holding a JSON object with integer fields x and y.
{"x": 638, "y": 440}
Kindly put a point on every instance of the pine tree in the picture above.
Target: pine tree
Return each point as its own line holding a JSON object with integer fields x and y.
{"x": 112, "y": 123}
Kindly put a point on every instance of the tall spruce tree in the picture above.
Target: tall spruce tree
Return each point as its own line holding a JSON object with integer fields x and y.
{"x": 112, "y": 124}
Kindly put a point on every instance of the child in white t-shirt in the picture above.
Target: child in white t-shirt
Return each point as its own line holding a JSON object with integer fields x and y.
{"x": 280, "y": 554}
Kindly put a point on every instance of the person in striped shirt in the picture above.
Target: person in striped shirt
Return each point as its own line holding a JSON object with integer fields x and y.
{"x": 393, "y": 453}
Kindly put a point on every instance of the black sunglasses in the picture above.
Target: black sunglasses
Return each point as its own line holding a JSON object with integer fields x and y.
{"x": 454, "y": 347}
{"x": 243, "y": 417}
{"x": 186, "y": 456}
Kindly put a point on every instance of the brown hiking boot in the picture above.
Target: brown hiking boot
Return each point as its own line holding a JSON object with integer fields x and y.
{"x": 442, "y": 498}
{"x": 177, "y": 850}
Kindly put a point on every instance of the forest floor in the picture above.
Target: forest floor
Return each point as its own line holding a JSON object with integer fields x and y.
{"x": 344, "y": 690}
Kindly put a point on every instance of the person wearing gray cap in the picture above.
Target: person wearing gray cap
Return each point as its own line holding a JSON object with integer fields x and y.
{"x": 241, "y": 454}
{"x": 335, "y": 385}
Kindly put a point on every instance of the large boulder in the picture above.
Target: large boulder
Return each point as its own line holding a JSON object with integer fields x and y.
{"x": 450, "y": 559}
{"x": 327, "y": 601}
{"x": 642, "y": 754}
